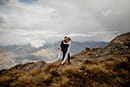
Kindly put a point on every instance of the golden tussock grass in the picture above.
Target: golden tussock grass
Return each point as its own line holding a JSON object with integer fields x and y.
{"x": 62, "y": 81}
{"x": 98, "y": 72}
{"x": 26, "y": 79}
{"x": 5, "y": 79}
{"x": 51, "y": 65}
{"x": 35, "y": 71}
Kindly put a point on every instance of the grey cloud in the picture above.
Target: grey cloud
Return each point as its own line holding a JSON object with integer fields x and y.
{"x": 67, "y": 16}
{"x": 3, "y": 2}
{"x": 119, "y": 23}
{"x": 116, "y": 18}
{"x": 74, "y": 15}
{"x": 2, "y": 21}
{"x": 85, "y": 16}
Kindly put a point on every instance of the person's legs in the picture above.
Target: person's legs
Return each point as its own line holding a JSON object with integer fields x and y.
{"x": 69, "y": 58}
{"x": 64, "y": 52}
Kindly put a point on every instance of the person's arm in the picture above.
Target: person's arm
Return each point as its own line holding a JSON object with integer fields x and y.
{"x": 61, "y": 45}
{"x": 66, "y": 55}
{"x": 65, "y": 42}
{"x": 68, "y": 50}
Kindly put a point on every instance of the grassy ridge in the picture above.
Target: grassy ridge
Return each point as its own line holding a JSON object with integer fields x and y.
{"x": 104, "y": 71}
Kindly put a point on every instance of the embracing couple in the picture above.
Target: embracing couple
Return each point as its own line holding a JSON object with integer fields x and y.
{"x": 65, "y": 49}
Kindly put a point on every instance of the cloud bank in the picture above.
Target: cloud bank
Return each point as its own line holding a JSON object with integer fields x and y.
{"x": 24, "y": 21}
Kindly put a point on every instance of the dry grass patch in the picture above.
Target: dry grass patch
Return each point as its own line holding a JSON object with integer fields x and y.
{"x": 51, "y": 65}
{"x": 62, "y": 81}
{"x": 71, "y": 70}
{"x": 35, "y": 71}
{"x": 5, "y": 79}
{"x": 89, "y": 61}
{"x": 26, "y": 79}
{"x": 77, "y": 77}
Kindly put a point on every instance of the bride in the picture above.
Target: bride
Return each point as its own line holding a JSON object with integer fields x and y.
{"x": 65, "y": 49}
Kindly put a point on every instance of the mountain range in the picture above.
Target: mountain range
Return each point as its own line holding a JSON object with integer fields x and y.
{"x": 19, "y": 54}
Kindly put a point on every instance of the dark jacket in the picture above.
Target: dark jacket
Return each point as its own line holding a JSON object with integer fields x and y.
{"x": 63, "y": 46}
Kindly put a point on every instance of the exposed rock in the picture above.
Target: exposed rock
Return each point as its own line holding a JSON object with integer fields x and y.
{"x": 121, "y": 44}
{"x": 30, "y": 66}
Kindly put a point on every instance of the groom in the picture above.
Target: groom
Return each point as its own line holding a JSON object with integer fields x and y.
{"x": 65, "y": 48}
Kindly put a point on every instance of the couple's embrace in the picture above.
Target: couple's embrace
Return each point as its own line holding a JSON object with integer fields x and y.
{"x": 65, "y": 49}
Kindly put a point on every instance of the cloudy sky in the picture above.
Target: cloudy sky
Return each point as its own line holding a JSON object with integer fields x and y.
{"x": 40, "y": 21}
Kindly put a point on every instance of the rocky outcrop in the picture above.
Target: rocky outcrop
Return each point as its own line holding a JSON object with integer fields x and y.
{"x": 120, "y": 44}
{"x": 29, "y": 66}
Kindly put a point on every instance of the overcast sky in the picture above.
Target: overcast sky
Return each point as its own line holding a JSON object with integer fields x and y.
{"x": 40, "y": 21}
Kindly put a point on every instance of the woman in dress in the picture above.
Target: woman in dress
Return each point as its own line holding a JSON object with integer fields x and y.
{"x": 65, "y": 49}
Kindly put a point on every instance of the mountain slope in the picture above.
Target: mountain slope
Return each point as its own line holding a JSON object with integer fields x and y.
{"x": 120, "y": 44}
{"x": 91, "y": 68}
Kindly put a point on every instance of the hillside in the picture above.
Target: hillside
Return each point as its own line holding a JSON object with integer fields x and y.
{"x": 97, "y": 67}
{"x": 120, "y": 44}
